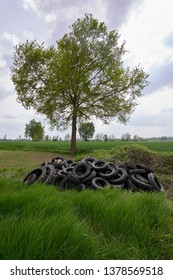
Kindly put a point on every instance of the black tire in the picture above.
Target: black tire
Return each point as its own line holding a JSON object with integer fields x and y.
{"x": 63, "y": 184}
{"x": 43, "y": 176}
{"x": 57, "y": 180}
{"x": 99, "y": 183}
{"x": 142, "y": 166}
{"x": 51, "y": 173}
{"x": 61, "y": 172}
{"x": 29, "y": 179}
{"x": 68, "y": 184}
{"x": 143, "y": 177}
{"x": 90, "y": 177}
{"x": 140, "y": 184}
{"x": 73, "y": 164}
{"x": 137, "y": 171}
{"x": 80, "y": 187}
{"x": 57, "y": 158}
{"x": 109, "y": 173}
{"x": 100, "y": 165}
{"x": 73, "y": 179}
{"x": 128, "y": 166}
{"x": 155, "y": 182}
{"x": 114, "y": 165}
{"x": 88, "y": 160}
{"x": 69, "y": 170}
{"x": 57, "y": 162}
{"x": 68, "y": 162}
{"x": 81, "y": 170}
{"x": 120, "y": 178}
{"x": 132, "y": 187}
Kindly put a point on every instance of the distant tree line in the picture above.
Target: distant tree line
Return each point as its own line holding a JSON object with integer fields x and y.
{"x": 98, "y": 137}
{"x": 35, "y": 131}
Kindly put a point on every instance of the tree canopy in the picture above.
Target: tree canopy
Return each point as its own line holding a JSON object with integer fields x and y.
{"x": 83, "y": 75}
{"x": 86, "y": 130}
{"x": 35, "y": 130}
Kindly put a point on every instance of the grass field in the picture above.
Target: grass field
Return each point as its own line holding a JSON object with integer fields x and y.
{"x": 40, "y": 222}
{"x": 63, "y": 147}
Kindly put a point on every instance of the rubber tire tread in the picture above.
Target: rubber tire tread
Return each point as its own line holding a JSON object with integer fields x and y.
{"x": 94, "y": 184}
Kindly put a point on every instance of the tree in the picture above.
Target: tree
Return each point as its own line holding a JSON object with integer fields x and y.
{"x": 111, "y": 137}
{"x": 82, "y": 76}
{"x": 47, "y": 138}
{"x": 126, "y": 136}
{"x": 67, "y": 137}
{"x": 99, "y": 137}
{"x": 35, "y": 130}
{"x": 5, "y": 137}
{"x": 136, "y": 137}
{"x": 86, "y": 130}
{"x": 105, "y": 137}
{"x": 55, "y": 138}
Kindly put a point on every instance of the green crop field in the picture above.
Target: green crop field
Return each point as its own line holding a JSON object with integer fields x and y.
{"x": 42, "y": 222}
{"x": 63, "y": 147}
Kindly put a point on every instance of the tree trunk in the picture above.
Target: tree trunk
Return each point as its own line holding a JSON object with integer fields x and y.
{"x": 73, "y": 136}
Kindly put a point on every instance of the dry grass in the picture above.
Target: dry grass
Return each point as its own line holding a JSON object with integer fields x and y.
{"x": 20, "y": 159}
{"x": 14, "y": 164}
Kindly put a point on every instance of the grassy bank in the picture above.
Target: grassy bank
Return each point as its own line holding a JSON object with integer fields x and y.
{"x": 41, "y": 222}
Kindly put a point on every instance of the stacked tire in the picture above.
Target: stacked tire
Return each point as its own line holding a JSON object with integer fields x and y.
{"x": 94, "y": 174}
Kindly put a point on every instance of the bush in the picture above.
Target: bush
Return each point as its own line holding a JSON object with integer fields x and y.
{"x": 137, "y": 154}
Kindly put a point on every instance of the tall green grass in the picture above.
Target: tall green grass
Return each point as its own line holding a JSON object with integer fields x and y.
{"x": 36, "y": 223}
{"x": 40, "y": 222}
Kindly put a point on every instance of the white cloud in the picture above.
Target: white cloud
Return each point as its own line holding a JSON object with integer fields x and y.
{"x": 51, "y": 17}
{"x": 33, "y": 6}
{"x": 12, "y": 38}
{"x": 13, "y": 117}
{"x": 6, "y": 85}
{"x": 27, "y": 35}
{"x": 3, "y": 63}
{"x": 7, "y": 42}
{"x": 145, "y": 31}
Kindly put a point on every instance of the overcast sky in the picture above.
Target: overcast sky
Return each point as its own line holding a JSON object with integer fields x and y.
{"x": 145, "y": 25}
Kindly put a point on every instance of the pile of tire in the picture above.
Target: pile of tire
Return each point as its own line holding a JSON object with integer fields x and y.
{"x": 94, "y": 174}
